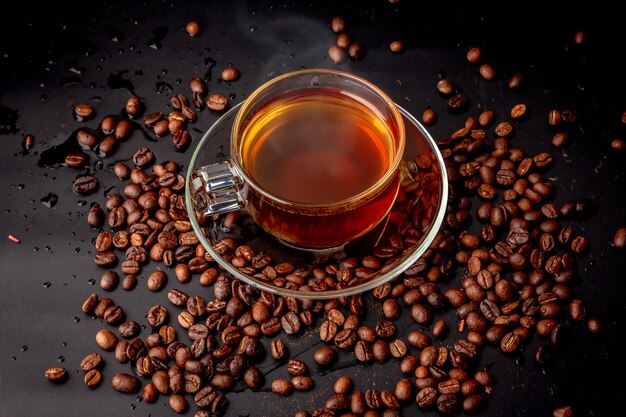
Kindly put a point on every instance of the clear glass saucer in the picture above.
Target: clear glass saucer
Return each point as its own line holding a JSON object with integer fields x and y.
{"x": 422, "y": 160}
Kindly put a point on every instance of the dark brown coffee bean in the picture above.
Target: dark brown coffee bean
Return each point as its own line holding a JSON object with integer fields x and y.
{"x": 84, "y": 112}
{"x": 129, "y": 329}
{"x": 397, "y": 348}
{"x": 76, "y": 160}
{"x": 109, "y": 280}
{"x": 56, "y": 374}
{"x": 487, "y": 72}
{"x": 619, "y": 239}
{"x": 123, "y": 129}
{"x": 554, "y": 118}
{"x": 325, "y": 356}
{"x": 593, "y": 325}
{"x": 156, "y": 281}
{"x": 113, "y": 315}
{"x": 336, "y": 54}
{"x": 458, "y": 102}
{"x": 217, "y": 102}
{"x": 134, "y": 106}
{"x": 356, "y": 51}
{"x": 297, "y": 367}
{"x": 85, "y": 184}
{"x": 150, "y": 393}
{"x": 93, "y": 378}
{"x": 564, "y": 411}
{"x": 474, "y": 55}
{"x": 338, "y": 24}
{"x": 472, "y": 403}
{"x": 89, "y": 305}
{"x": 161, "y": 128}
{"x": 106, "y": 340}
{"x": 178, "y": 404}
{"x": 396, "y": 47}
{"x": 143, "y": 157}
{"x": 230, "y": 74}
{"x": 125, "y": 383}
{"x": 282, "y": 387}
{"x": 181, "y": 141}
{"x": 302, "y": 383}
{"x": 107, "y": 125}
{"x": 157, "y": 315}
{"x": 91, "y": 361}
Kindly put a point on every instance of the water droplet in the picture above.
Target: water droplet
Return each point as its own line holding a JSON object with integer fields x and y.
{"x": 50, "y": 200}
{"x": 77, "y": 250}
{"x": 82, "y": 203}
{"x": 47, "y": 284}
{"x": 13, "y": 358}
{"x": 44, "y": 97}
{"x": 24, "y": 348}
{"x": 179, "y": 81}
{"x": 36, "y": 249}
{"x": 163, "y": 87}
{"x": 253, "y": 28}
{"x": 48, "y": 248}
{"x": 292, "y": 55}
{"x": 61, "y": 359}
{"x": 92, "y": 281}
{"x": 64, "y": 344}
{"x": 232, "y": 96}
{"x": 76, "y": 319}
{"x": 21, "y": 186}
{"x": 133, "y": 406}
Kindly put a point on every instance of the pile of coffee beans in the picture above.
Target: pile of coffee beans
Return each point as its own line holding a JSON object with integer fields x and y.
{"x": 517, "y": 271}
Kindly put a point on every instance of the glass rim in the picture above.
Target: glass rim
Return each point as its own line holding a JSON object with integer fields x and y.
{"x": 386, "y": 276}
{"x": 359, "y": 198}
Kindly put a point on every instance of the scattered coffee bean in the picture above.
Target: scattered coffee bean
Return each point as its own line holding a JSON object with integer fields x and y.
{"x": 125, "y": 383}
{"x": 217, "y": 102}
{"x": 230, "y": 74}
{"x": 338, "y": 24}
{"x": 619, "y": 239}
{"x": 193, "y": 28}
{"x": 84, "y": 112}
{"x": 474, "y": 55}
{"x": 56, "y": 374}
{"x": 336, "y": 54}
{"x": 85, "y": 184}
{"x": 396, "y": 47}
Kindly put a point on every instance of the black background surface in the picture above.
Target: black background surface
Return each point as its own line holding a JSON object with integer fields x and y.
{"x": 55, "y": 57}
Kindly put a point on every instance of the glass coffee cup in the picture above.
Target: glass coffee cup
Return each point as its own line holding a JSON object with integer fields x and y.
{"x": 314, "y": 159}
{"x": 221, "y": 200}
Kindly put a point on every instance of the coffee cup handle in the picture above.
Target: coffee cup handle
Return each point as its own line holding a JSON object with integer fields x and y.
{"x": 215, "y": 189}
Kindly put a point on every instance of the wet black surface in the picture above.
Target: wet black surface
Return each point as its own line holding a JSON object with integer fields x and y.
{"x": 101, "y": 53}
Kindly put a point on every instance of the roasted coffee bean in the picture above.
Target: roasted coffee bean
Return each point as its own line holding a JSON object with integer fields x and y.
{"x": 380, "y": 351}
{"x": 89, "y": 305}
{"x": 156, "y": 281}
{"x": 143, "y": 157}
{"x": 564, "y": 411}
{"x": 76, "y": 160}
{"x": 125, "y": 383}
{"x": 325, "y": 356}
{"x": 593, "y": 325}
{"x": 356, "y": 51}
{"x": 85, "y": 184}
{"x": 230, "y": 74}
{"x": 278, "y": 349}
{"x": 106, "y": 340}
{"x": 397, "y": 348}
{"x": 282, "y": 387}
{"x": 107, "y": 125}
{"x": 91, "y": 361}
{"x": 83, "y": 112}
{"x": 458, "y": 102}
{"x": 302, "y": 383}
{"x": 474, "y": 55}
{"x": 109, "y": 280}
{"x": 150, "y": 393}
{"x": 113, "y": 315}
{"x": 487, "y": 72}
{"x": 134, "y": 106}
{"x": 123, "y": 129}
{"x": 157, "y": 315}
{"x": 297, "y": 367}
{"x": 396, "y": 47}
{"x": 336, "y": 54}
{"x": 253, "y": 378}
{"x": 56, "y": 374}
{"x": 93, "y": 378}
{"x": 515, "y": 81}
{"x": 338, "y": 24}
{"x": 178, "y": 404}
{"x": 217, "y": 102}
{"x": 363, "y": 351}
{"x": 619, "y": 239}
{"x": 429, "y": 117}
{"x": 102, "y": 306}
{"x": 129, "y": 329}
